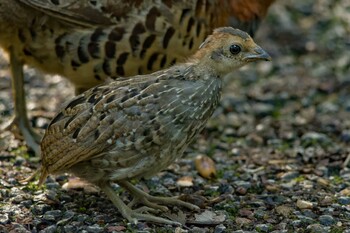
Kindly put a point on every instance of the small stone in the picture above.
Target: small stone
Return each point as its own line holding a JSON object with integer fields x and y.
{"x": 345, "y": 136}
{"x": 27, "y": 203}
{"x": 241, "y": 190}
{"x": 284, "y": 210}
{"x": 18, "y": 228}
{"x": 309, "y": 213}
{"x": 344, "y": 200}
{"x": 302, "y": 204}
{"x": 70, "y": 229}
{"x": 314, "y": 138}
{"x": 262, "y": 228}
{"x": 82, "y": 217}
{"x": 199, "y": 230}
{"x": 220, "y": 229}
{"x": 323, "y": 182}
{"x": 41, "y": 208}
{"x": 316, "y": 228}
{"x": 345, "y": 192}
{"x": 262, "y": 109}
{"x": 326, "y": 201}
{"x": 225, "y": 189}
{"x": 244, "y": 184}
{"x": 52, "y": 185}
{"x": 49, "y": 229}
{"x": 289, "y": 175}
{"x": 272, "y": 188}
{"x": 4, "y": 218}
{"x": 306, "y": 220}
{"x": 55, "y": 213}
{"x": 49, "y": 217}
{"x": 296, "y": 223}
{"x": 326, "y": 220}
{"x": 242, "y": 221}
{"x": 245, "y": 213}
{"x": 94, "y": 228}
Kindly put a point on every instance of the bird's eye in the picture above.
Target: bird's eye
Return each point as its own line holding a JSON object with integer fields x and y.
{"x": 235, "y": 49}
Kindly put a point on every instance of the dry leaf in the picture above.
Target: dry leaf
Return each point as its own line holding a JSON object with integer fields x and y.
{"x": 205, "y": 166}
{"x": 185, "y": 181}
{"x": 76, "y": 183}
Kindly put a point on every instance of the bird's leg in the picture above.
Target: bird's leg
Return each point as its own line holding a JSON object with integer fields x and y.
{"x": 21, "y": 118}
{"x": 133, "y": 215}
{"x": 152, "y": 201}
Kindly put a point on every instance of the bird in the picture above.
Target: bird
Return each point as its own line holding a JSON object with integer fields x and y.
{"x": 90, "y": 41}
{"x": 134, "y": 127}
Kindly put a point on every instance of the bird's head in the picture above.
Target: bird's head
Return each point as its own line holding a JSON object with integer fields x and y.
{"x": 228, "y": 49}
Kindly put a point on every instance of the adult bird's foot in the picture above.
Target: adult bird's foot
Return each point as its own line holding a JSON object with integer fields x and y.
{"x": 133, "y": 216}
{"x": 152, "y": 201}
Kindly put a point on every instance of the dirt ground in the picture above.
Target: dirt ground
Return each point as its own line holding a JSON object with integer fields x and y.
{"x": 279, "y": 141}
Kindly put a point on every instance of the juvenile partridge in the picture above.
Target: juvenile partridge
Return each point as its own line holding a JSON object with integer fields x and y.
{"x": 137, "y": 126}
{"x": 88, "y": 41}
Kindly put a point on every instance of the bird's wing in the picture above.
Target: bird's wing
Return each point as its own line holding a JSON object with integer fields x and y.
{"x": 84, "y": 13}
{"x": 120, "y": 117}
{"x": 96, "y": 13}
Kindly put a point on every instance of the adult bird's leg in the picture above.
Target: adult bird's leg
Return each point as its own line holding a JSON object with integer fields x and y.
{"x": 133, "y": 215}
{"x": 21, "y": 118}
{"x": 152, "y": 201}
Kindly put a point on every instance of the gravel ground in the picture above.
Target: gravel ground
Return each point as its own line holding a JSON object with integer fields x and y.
{"x": 278, "y": 140}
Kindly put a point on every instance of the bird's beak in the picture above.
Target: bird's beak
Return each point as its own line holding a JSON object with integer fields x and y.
{"x": 257, "y": 54}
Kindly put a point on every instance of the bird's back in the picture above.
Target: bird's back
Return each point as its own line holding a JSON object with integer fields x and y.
{"x": 87, "y": 41}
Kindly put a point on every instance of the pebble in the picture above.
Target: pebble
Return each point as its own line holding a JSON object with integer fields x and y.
{"x": 27, "y": 203}
{"x": 70, "y": 228}
{"x": 49, "y": 217}
{"x": 225, "y": 189}
{"x": 262, "y": 228}
{"x": 49, "y": 229}
{"x": 262, "y": 109}
{"x": 309, "y": 213}
{"x": 316, "y": 228}
{"x": 94, "y": 228}
{"x": 345, "y": 136}
{"x": 302, "y": 204}
{"x": 289, "y": 175}
{"x": 242, "y": 221}
{"x": 4, "y": 218}
{"x": 18, "y": 228}
{"x": 284, "y": 210}
{"x": 326, "y": 220}
{"x": 344, "y": 200}
{"x": 306, "y": 220}
{"x": 40, "y": 208}
{"x": 55, "y": 213}
{"x": 220, "y": 229}
{"x": 314, "y": 138}
{"x": 244, "y": 184}
{"x": 199, "y": 230}
{"x": 296, "y": 223}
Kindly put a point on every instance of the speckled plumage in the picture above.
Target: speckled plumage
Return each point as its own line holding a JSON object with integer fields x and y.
{"x": 137, "y": 126}
{"x": 89, "y": 41}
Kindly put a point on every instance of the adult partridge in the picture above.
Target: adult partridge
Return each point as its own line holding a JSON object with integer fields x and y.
{"x": 137, "y": 126}
{"x": 88, "y": 41}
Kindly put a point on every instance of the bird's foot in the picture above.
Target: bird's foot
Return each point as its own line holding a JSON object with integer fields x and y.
{"x": 152, "y": 201}
{"x": 133, "y": 216}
